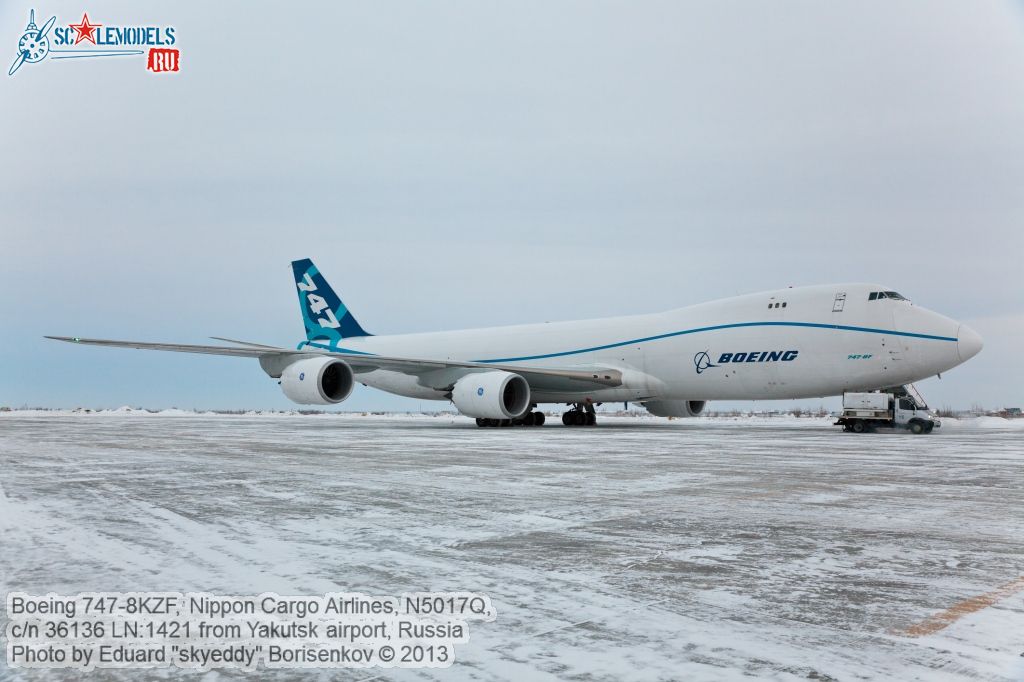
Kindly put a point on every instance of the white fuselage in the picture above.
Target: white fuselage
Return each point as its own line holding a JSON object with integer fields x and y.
{"x": 818, "y": 341}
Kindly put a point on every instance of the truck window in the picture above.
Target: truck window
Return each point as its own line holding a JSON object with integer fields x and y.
{"x": 906, "y": 404}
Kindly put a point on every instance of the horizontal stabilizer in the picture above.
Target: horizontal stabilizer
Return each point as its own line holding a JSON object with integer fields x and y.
{"x": 243, "y": 343}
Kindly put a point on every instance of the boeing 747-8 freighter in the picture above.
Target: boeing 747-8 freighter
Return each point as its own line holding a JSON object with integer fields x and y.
{"x": 791, "y": 343}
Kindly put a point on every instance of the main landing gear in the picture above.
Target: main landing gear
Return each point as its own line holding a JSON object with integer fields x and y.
{"x": 580, "y": 415}
{"x": 528, "y": 419}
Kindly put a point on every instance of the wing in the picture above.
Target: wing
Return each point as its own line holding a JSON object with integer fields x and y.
{"x": 439, "y": 374}
{"x": 249, "y": 351}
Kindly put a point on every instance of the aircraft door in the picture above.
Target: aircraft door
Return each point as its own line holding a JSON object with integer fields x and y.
{"x": 904, "y": 345}
{"x": 838, "y": 304}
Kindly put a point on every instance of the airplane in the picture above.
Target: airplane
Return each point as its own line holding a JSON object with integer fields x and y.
{"x": 801, "y": 342}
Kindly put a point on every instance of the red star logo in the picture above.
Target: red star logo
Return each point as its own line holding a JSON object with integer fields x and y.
{"x": 85, "y": 30}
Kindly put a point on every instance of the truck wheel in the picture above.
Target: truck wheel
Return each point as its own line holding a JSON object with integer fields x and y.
{"x": 858, "y": 427}
{"x": 916, "y": 427}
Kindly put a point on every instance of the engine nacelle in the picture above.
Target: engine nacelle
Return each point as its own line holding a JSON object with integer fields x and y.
{"x": 675, "y": 408}
{"x": 317, "y": 381}
{"x": 492, "y": 395}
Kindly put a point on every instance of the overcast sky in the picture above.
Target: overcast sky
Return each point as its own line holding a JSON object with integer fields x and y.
{"x": 457, "y": 164}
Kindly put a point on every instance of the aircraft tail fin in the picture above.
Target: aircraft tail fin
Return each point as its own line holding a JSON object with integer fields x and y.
{"x": 326, "y": 318}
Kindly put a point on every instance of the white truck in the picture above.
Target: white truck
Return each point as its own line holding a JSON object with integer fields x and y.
{"x": 901, "y": 408}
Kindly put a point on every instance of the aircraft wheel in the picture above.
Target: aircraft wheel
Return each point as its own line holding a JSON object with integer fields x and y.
{"x": 480, "y": 421}
{"x": 504, "y": 422}
{"x": 538, "y": 419}
{"x": 493, "y": 422}
{"x": 567, "y": 418}
{"x": 858, "y": 427}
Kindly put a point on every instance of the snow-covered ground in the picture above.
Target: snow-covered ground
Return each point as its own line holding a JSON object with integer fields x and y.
{"x": 775, "y": 547}
{"x": 609, "y": 418}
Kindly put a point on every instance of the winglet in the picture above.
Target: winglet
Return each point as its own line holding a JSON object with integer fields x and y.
{"x": 326, "y": 318}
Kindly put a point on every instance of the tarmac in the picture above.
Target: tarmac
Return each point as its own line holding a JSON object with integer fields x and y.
{"x": 637, "y": 549}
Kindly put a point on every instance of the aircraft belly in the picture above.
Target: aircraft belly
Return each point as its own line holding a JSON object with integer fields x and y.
{"x": 399, "y": 384}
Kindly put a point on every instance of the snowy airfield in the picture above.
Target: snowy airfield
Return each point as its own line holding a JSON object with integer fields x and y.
{"x": 639, "y": 549}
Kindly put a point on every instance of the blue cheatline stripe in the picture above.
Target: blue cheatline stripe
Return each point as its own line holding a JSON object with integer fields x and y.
{"x": 816, "y": 325}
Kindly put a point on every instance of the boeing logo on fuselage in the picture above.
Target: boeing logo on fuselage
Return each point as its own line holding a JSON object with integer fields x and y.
{"x": 759, "y": 356}
{"x": 702, "y": 360}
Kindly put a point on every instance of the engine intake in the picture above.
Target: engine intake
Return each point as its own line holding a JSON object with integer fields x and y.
{"x": 317, "y": 381}
{"x": 675, "y": 408}
{"x": 492, "y": 395}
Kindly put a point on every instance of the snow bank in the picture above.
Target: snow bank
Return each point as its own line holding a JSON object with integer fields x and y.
{"x": 126, "y": 411}
{"x": 982, "y": 423}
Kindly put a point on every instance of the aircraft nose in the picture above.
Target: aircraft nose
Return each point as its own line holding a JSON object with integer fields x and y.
{"x": 968, "y": 343}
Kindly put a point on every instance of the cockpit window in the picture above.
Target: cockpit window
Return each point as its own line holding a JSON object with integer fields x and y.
{"x": 876, "y": 295}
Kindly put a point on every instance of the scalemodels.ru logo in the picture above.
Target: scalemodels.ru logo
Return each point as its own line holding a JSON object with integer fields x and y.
{"x": 86, "y": 40}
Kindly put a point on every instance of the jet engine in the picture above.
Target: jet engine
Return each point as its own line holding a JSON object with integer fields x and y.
{"x": 492, "y": 395}
{"x": 317, "y": 381}
{"x": 675, "y": 408}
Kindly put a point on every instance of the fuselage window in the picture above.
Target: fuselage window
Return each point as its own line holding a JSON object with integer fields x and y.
{"x": 783, "y": 305}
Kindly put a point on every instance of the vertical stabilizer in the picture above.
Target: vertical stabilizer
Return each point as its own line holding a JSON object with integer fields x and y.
{"x": 327, "y": 319}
